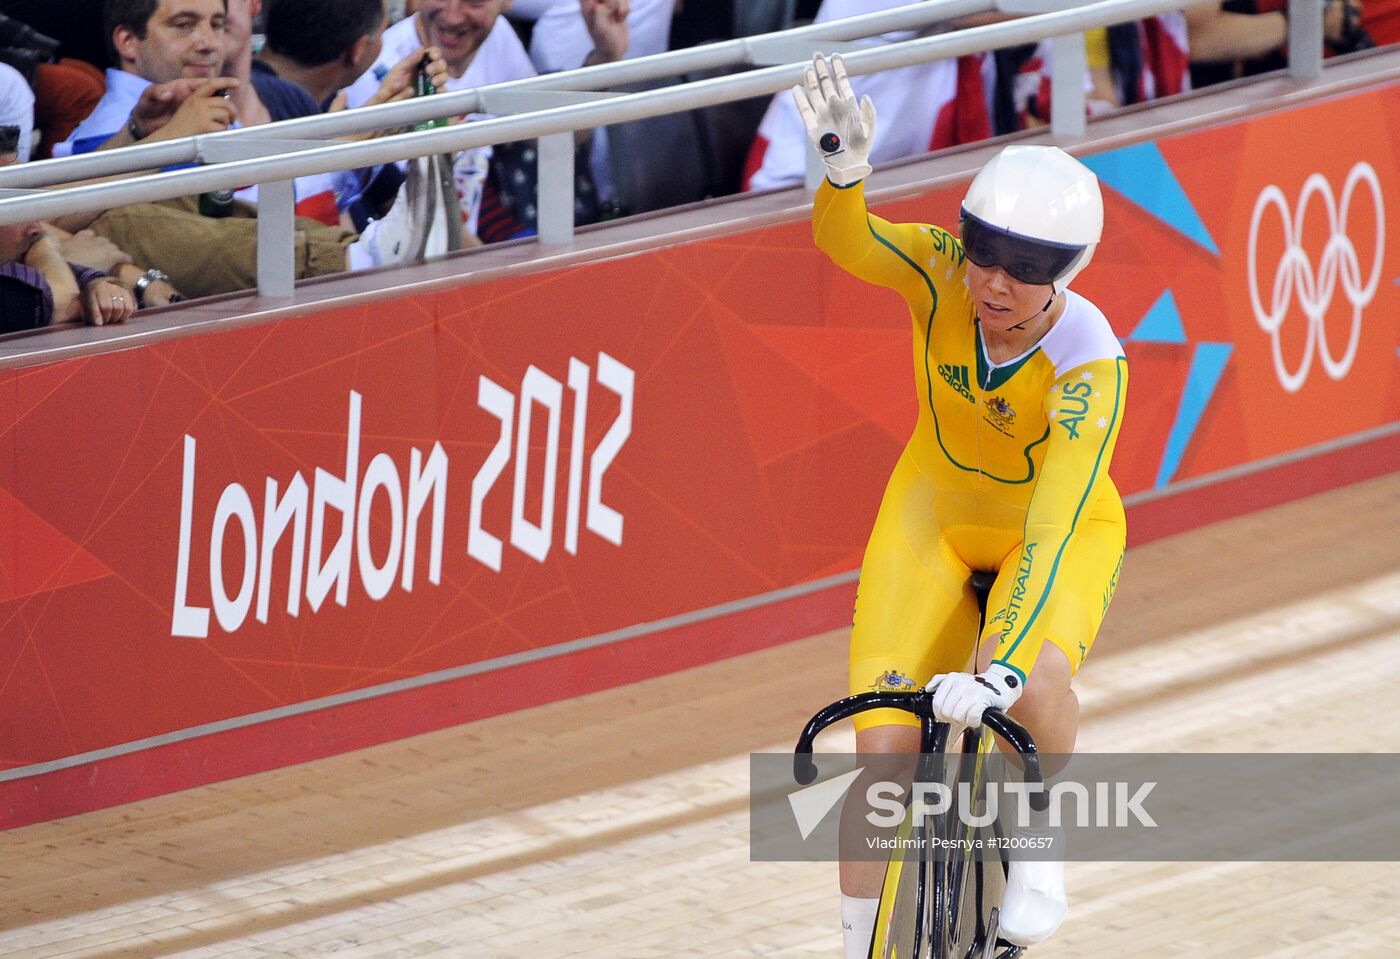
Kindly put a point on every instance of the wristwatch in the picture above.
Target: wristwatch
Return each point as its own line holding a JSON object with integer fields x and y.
{"x": 143, "y": 283}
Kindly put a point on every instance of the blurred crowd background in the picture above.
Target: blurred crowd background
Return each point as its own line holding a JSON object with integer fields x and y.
{"x": 84, "y": 75}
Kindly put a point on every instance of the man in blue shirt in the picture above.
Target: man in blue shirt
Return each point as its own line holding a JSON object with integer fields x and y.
{"x": 158, "y": 43}
{"x": 322, "y": 46}
{"x": 266, "y": 98}
{"x": 162, "y": 42}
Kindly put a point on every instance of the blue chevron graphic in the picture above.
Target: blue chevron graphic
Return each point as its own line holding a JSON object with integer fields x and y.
{"x": 1207, "y": 365}
{"x": 1161, "y": 323}
{"x": 1141, "y": 174}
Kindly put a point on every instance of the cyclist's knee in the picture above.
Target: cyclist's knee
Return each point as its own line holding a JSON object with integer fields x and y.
{"x": 1048, "y": 686}
{"x": 1044, "y": 706}
{"x": 1049, "y": 707}
{"x": 890, "y": 738}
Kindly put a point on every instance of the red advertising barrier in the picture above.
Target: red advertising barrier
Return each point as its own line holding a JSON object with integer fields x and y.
{"x": 440, "y": 507}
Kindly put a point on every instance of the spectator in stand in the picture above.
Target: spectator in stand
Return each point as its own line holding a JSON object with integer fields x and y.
{"x": 560, "y": 40}
{"x": 65, "y": 90}
{"x": 1356, "y": 19}
{"x": 1155, "y": 60}
{"x": 697, "y": 23}
{"x": 929, "y": 106}
{"x": 261, "y": 96}
{"x": 479, "y": 46}
{"x": 17, "y": 108}
{"x": 65, "y": 93}
{"x": 482, "y": 48}
{"x": 322, "y": 46}
{"x": 148, "y": 288}
{"x": 169, "y": 56}
{"x": 322, "y": 62}
{"x": 944, "y": 104}
{"x": 1381, "y": 20}
{"x": 1243, "y": 37}
{"x": 1128, "y": 63}
{"x": 159, "y": 41}
{"x": 181, "y": 42}
{"x": 38, "y": 286}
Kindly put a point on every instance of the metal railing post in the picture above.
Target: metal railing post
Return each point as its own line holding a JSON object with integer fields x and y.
{"x": 555, "y": 202}
{"x": 1069, "y": 62}
{"x": 1305, "y": 35}
{"x": 276, "y": 240}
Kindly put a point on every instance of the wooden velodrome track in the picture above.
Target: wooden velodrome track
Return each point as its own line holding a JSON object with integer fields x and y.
{"x": 616, "y": 825}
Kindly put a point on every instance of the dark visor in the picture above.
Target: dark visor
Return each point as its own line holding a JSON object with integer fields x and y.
{"x": 1038, "y": 262}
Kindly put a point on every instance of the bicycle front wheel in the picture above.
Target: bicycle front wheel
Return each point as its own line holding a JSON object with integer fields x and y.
{"x": 910, "y": 900}
{"x": 976, "y": 874}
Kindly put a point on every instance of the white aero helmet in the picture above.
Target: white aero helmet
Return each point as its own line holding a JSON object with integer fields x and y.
{"x": 1034, "y": 211}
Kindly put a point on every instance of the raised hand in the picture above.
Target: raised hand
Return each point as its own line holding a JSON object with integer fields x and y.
{"x": 400, "y": 82}
{"x": 842, "y": 129}
{"x": 207, "y": 109}
{"x": 161, "y": 103}
{"x": 607, "y": 27}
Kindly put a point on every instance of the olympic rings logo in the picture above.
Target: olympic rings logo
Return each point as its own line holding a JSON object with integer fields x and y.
{"x": 1315, "y": 286}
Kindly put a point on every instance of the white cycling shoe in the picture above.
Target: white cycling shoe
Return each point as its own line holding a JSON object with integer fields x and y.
{"x": 1034, "y": 903}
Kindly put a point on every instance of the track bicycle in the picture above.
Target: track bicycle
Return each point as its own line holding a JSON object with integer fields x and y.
{"x": 940, "y": 905}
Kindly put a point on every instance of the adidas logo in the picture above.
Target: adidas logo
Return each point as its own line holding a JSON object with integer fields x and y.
{"x": 957, "y": 378}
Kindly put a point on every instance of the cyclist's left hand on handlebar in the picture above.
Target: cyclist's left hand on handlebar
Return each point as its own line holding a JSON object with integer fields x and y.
{"x": 963, "y": 697}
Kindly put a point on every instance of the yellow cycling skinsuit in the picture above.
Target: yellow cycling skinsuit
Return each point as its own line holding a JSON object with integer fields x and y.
{"x": 1007, "y": 470}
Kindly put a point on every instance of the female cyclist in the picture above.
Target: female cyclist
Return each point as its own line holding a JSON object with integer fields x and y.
{"x": 1021, "y": 386}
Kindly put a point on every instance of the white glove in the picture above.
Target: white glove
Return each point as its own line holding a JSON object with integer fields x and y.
{"x": 841, "y": 130}
{"x": 963, "y": 697}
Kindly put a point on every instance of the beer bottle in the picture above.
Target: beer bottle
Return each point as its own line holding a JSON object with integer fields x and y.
{"x": 217, "y": 203}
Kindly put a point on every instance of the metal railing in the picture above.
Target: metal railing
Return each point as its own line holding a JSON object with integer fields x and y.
{"x": 553, "y": 107}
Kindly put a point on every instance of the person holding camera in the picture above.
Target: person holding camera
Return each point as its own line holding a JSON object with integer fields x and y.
{"x": 170, "y": 84}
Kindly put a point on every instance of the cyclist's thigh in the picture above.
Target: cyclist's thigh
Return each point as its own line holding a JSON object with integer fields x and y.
{"x": 915, "y": 613}
{"x": 1085, "y": 579}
